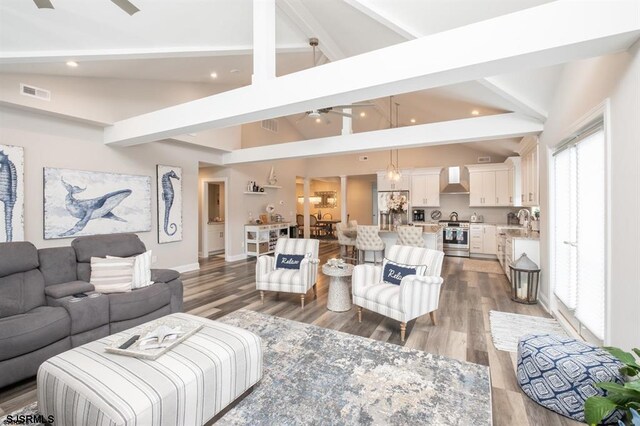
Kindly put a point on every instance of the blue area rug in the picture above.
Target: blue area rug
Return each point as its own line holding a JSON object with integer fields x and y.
{"x": 317, "y": 376}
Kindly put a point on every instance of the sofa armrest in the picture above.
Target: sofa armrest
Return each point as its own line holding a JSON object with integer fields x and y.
{"x": 309, "y": 271}
{"x": 364, "y": 276}
{"x": 164, "y": 275}
{"x": 58, "y": 291}
{"x": 264, "y": 265}
{"x": 419, "y": 294}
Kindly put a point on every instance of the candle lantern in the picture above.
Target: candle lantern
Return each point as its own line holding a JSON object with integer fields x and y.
{"x": 525, "y": 276}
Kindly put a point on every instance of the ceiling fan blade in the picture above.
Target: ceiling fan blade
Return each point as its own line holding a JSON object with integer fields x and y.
{"x": 344, "y": 114}
{"x": 126, "y": 5}
{"x": 43, "y": 4}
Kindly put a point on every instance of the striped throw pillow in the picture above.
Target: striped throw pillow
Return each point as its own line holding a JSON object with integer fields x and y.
{"x": 111, "y": 275}
{"x": 141, "y": 269}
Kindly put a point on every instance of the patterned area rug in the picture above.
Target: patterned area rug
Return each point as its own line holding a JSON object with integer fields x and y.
{"x": 486, "y": 266}
{"x": 507, "y": 328}
{"x": 318, "y": 376}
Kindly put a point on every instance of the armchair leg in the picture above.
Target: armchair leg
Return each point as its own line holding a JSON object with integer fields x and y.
{"x": 315, "y": 291}
{"x": 403, "y": 330}
{"x": 262, "y": 296}
{"x": 302, "y": 301}
{"x": 359, "y": 309}
{"x": 432, "y": 314}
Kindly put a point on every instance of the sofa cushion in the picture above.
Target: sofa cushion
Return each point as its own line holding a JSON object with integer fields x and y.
{"x": 59, "y": 291}
{"x": 58, "y": 265}
{"x": 139, "y": 302}
{"x": 21, "y": 292}
{"x": 113, "y": 275}
{"x": 17, "y": 257}
{"x": 35, "y": 329}
{"x": 164, "y": 275}
{"x": 119, "y": 245}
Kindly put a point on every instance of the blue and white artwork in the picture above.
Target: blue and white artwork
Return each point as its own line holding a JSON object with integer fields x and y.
{"x": 169, "y": 204}
{"x": 11, "y": 193}
{"x": 78, "y": 202}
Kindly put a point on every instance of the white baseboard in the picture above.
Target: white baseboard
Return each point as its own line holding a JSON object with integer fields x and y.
{"x": 200, "y": 255}
{"x": 187, "y": 268}
{"x": 235, "y": 258}
{"x": 542, "y": 300}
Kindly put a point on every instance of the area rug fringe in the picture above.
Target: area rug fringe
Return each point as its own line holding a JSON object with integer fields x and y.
{"x": 508, "y": 328}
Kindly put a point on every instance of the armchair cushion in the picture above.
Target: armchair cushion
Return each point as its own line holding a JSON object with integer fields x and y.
{"x": 393, "y": 272}
{"x": 289, "y": 261}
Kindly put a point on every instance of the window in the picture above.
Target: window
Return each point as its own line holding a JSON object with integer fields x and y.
{"x": 580, "y": 251}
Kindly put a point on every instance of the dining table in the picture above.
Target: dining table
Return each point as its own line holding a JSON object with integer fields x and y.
{"x": 328, "y": 225}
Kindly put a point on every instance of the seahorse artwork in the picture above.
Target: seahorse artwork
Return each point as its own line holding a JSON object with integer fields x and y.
{"x": 90, "y": 209}
{"x": 168, "y": 194}
{"x": 8, "y": 192}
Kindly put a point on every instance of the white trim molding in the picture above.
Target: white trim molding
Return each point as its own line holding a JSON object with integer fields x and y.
{"x": 189, "y": 267}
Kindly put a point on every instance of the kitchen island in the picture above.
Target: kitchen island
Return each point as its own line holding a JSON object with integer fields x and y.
{"x": 432, "y": 235}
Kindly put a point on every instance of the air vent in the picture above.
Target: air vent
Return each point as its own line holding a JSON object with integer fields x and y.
{"x": 35, "y": 92}
{"x": 484, "y": 159}
{"x": 363, "y": 158}
{"x": 270, "y": 125}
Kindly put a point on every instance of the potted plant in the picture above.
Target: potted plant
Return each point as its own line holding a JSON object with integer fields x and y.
{"x": 625, "y": 398}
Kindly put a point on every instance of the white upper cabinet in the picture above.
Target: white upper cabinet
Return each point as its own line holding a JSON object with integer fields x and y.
{"x": 530, "y": 172}
{"x": 385, "y": 184}
{"x": 482, "y": 187}
{"x": 503, "y": 195}
{"x": 425, "y": 187}
{"x": 493, "y": 185}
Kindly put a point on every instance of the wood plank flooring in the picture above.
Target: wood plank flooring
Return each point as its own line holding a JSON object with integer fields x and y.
{"x": 462, "y": 333}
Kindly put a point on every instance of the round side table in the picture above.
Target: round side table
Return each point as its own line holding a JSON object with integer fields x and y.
{"x": 339, "y": 293}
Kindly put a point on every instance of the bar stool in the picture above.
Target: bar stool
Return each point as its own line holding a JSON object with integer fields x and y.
{"x": 369, "y": 240}
{"x": 346, "y": 243}
{"x": 410, "y": 236}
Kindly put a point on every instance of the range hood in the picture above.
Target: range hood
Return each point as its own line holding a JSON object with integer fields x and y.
{"x": 453, "y": 182}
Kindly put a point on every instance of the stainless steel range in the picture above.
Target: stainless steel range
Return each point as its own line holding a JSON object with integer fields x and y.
{"x": 455, "y": 237}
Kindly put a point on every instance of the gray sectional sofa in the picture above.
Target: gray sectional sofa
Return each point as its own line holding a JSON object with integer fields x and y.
{"x": 40, "y": 318}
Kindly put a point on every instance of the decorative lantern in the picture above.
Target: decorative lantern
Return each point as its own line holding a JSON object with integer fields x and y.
{"x": 525, "y": 275}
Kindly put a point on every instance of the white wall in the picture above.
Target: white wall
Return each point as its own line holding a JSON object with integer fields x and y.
{"x": 583, "y": 86}
{"x": 54, "y": 142}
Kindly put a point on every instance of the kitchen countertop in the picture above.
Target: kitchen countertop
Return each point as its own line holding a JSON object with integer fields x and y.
{"x": 522, "y": 234}
{"x": 424, "y": 230}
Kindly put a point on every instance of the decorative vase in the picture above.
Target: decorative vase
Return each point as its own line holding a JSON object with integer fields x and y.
{"x": 397, "y": 219}
{"x": 272, "y": 177}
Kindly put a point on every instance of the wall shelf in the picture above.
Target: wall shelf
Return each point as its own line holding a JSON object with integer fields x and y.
{"x": 255, "y": 193}
{"x": 272, "y": 186}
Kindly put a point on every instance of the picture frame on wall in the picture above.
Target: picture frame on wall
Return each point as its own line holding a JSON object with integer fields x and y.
{"x": 79, "y": 202}
{"x": 11, "y": 193}
{"x": 169, "y": 185}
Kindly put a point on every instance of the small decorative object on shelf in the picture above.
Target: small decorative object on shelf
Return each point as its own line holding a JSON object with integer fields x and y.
{"x": 272, "y": 180}
{"x": 336, "y": 263}
{"x": 525, "y": 275}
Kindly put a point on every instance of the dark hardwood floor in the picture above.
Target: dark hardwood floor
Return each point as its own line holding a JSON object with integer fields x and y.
{"x": 463, "y": 331}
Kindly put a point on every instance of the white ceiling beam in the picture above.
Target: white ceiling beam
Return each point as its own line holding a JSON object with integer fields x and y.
{"x": 509, "y": 43}
{"x": 301, "y": 17}
{"x": 146, "y": 53}
{"x": 521, "y": 103}
{"x": 264, "y": 41}
{"x": 489, "y": 127}
{"x": 377, "y": 15}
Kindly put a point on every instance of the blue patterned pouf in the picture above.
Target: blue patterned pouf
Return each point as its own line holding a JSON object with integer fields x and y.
{"x": 559, "y": 373}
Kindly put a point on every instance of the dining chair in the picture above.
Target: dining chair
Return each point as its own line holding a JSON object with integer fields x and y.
{"x": 300, "y": 222}
{"x": 313, "y": 226}
{"x": 346, "y": 243}
{"x": 410, "y": 236}
{"x": 369, "y": 240}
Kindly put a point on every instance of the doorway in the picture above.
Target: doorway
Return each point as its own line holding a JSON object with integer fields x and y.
{"x": 214, "y": 214}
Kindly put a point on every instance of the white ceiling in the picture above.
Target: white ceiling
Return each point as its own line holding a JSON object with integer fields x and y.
{"x": 186, "y": 40}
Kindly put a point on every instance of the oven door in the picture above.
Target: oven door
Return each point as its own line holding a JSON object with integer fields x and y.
{"x": 455, "y": 237}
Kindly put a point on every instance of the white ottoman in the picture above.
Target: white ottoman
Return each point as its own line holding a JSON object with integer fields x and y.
{"x": 187, "y": 386}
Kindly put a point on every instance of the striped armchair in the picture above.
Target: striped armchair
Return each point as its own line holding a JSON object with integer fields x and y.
{"x": 414, "y": 297}
{"x": 289, "y": 280}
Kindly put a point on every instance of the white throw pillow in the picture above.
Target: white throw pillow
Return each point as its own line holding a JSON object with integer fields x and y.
{"x": 141, "y": 269}
{"x": 111, "y": 275}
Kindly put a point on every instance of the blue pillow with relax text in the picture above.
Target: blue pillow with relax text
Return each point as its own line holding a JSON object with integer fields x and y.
{"x": 289, "y": 261}
{"x": 393, "y": 273}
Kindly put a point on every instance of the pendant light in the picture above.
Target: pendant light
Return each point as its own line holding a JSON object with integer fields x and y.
{"x": 393, "y": 170}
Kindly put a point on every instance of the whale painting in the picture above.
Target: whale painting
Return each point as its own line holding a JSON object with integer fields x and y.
{"x": 11, "y": 193}
{"x": 169, "y": 203}
{"x": 78, "y": 202}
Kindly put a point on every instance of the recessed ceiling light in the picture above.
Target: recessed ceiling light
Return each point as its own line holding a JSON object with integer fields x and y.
{"x": 72, "y": 64}
{"x": 475, "y": 112}
{"x": 214, "y": 75}
{"x": 363, "y": 114}
{"x": 413, "y": 120}
{"x": 318, "y": 120}
{"x": 234, "y": 71}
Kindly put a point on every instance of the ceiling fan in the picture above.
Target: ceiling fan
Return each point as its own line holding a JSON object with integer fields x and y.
{"x": 125, "y": 5}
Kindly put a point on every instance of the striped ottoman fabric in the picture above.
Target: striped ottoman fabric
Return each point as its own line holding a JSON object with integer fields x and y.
{"x": 187, "y": 386}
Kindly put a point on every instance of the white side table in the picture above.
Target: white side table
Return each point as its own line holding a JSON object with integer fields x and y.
{"x": 339, "y": 293}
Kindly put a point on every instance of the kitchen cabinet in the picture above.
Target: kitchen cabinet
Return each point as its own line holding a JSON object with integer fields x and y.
{"x": 514, "y": 248}
{"x": 482, "y": 239}
{"x": 425, "y": 188}
{"x": 530, "y": 173}
{"x": 503, "y": 195}
{"x": 385, "y": 184}
{"x": 215, "y": 235}
{"x": 482, "y": 188}
{"x": 494, "y": 185}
